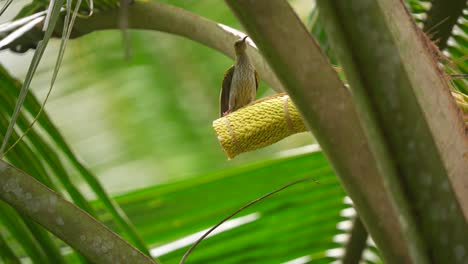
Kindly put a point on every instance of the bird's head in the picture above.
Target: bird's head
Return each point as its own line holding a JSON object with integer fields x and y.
{"x": 240, "y": 45}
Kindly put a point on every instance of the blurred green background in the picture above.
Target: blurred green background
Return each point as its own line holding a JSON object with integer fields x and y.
{"x": 145, "y": 120}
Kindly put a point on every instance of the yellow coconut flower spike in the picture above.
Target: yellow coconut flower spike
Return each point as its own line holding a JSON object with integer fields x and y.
{"x": 269, "y": 120}
{"x": 259, "y": 124}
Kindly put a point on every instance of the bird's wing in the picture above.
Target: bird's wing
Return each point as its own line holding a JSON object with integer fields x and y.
{"x": 257, "y": 80}
{"x": 225, "y": 90}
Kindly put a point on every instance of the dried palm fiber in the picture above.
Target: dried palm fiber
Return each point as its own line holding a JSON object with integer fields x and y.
{"x": 259, "y": 124}
{"x": 462, "y": 102}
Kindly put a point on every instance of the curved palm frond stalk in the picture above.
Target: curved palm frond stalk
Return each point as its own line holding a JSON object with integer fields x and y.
{"x": 25, "y": 156}
{"x": 327, "y": 108}
{"x": 406, "y": 103}
{"x": 51, "y": 155}
{"x": 162, "y": 17}
{"x": 65, "y": 220}
{"x": 215, "y": 36}
{"x": 356, "y": 243}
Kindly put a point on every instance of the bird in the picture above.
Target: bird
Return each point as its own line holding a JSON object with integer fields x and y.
{"x": 240, "y": 83}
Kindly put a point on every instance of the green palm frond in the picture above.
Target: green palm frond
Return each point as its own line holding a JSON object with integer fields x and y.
{"x": 457, "y": 50}
{"x": 51, "y": 155}
{"x": 300, "y": 221}
{"x": 446, "y": 24}
{"x": 140, "y": 129}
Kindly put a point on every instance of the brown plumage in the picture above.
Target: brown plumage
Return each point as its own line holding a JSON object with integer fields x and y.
{"x": 240, "y": 82}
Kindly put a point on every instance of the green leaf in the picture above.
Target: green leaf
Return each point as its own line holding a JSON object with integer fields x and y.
{"x": 54, "y": 15}
{"x": 50, "y": 155}
{"x": 297, "y": 222}
{"x": 6, "y": 253}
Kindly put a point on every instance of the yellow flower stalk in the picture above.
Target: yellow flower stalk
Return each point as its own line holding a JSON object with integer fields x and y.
{"x": 259, "y": 124}
{"x": 269, "y": 120}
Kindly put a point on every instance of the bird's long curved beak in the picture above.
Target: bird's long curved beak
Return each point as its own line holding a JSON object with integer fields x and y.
{"x": 243, "y": 40}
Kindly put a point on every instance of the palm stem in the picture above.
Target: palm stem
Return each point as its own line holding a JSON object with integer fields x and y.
{"x": 71, "y": 224}
{"x": 356, "y": 243}
{"x": 441, "y": 19}
{"x": 327, "y": 109}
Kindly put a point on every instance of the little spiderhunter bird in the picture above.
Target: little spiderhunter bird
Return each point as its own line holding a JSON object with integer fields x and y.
{"x": 240, "y": 82}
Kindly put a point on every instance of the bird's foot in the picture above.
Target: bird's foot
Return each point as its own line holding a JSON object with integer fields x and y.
{"x": 226, "y": 113}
